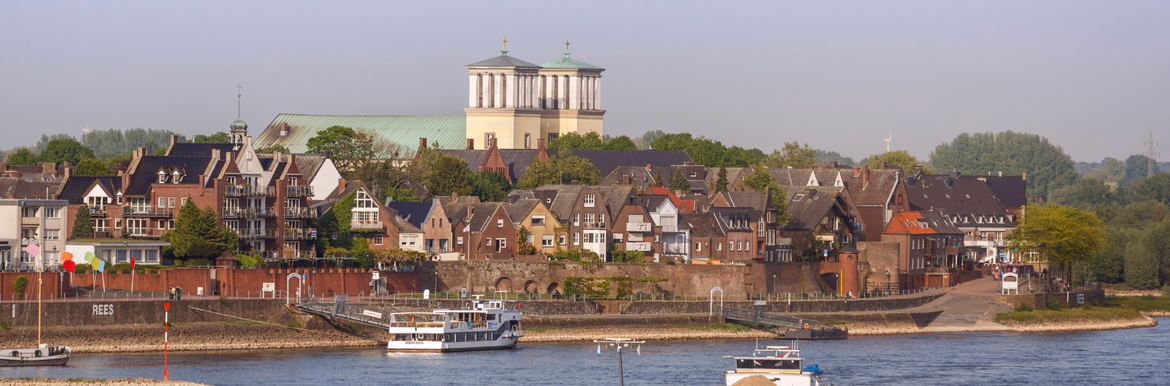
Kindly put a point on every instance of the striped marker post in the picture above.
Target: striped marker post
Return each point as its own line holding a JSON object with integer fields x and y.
{"x": 166, "y": 333}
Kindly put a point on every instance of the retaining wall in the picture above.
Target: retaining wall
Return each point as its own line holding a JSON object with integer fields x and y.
{"x": 249, "y": 282}
{"x": 796, "y": 306}
{"x": 1065, "y": 299}
{"x": 97, "y": 313}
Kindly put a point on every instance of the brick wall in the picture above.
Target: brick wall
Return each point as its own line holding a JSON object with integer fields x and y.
{"x": 249, "y": 282}
{"x": 881, "y": 257}
{"x": 53, "y": 284}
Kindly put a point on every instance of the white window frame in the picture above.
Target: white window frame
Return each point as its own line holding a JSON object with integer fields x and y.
{"x": 590, "y": 200}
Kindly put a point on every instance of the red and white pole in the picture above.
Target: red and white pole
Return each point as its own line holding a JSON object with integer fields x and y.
{"x": 166, "y": 333}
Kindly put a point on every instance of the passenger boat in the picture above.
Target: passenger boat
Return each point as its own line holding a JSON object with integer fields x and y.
{"x": 43, "y": 355}
{"x": 779, "y": 364}
{"x": 488, "y": 325}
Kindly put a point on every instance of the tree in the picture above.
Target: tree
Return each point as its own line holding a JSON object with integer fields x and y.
{"x": 1141, "y": 267}
{"x": 574, "y": 141}
{"x": 1047, "y": 166}
{"x": 648, "y": 138}
{"x": 832, "y": 156}
{"x": 658, "y": 181}
{"x": 107, "y": 144}
{"x": 65, "y": 150}
{"x": 899, "y": 158}
{"x": 199, "y": 233}
{"x": 621, "y": 143}
{"x": 93, "y": 167}
{"x": 1109, "y": 263}
{"x": 1156, "y": 188}
{"x": 760, "y": 180}
{"x": 523, "y": 246}
{"x": 47, "y": 139}
{"x": 721, "y": 182}
{"x": 23, "y": 156}
{"x": 793, "y": 155}
{"x": 563, "y": 168}
{"x": 82, "y": 224}
{"x": 273, "y": 148}
{"x": 678, "y": 182}
{"x": 707, "y": 152}
{"x": 1063, "y": 236}
{"x": 1089, "y": 193}
{"x": 489, "y": 186}
{"x": 446, "y": 175}
{"x": 1136, "y": 168}
{"x": 218, "y": 137}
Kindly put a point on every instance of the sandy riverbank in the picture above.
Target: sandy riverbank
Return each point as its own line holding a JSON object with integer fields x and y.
{"x": 91, "y": 382}
{"x": 1093, "y": 325}
{"x": 186, "y": 337}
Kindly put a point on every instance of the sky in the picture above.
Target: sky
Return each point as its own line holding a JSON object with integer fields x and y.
{"x": 1091, "y": 76}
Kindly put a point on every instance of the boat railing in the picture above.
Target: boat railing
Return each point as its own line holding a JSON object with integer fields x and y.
{"x": 417, "y": 320}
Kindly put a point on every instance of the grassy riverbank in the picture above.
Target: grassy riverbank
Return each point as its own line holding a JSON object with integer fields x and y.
{"x": 1116, "y": 313}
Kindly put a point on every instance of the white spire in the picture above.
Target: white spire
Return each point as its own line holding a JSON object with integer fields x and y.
{"x": 888, "y": 139}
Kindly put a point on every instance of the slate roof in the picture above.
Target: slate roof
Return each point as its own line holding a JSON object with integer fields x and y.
{"x": 874, "y": 193}
{"x": 413, "y": 212}
{"x": 606, "y": 161}
{"x": 447, "y": 131}
{"x": 327, "y": 203}
{"x": 74, "y": 189}
{"x": 145, "y": 173}
{"x": 808, "y": 204}
{"x": 481, "y": 214}
{"x": 187, "y": 149}
{"x": 702, "y": 224}
{"x": 564, "y": 198}
{"x": 968, "y": 202}
{"x": 520, "y": 209}
{"x": 404, "y": 225}
{"x": 503, "y": 61}
{"x": 1012, "y": 191}
{"x": 746, "y": 199}
{"x": 638, "y": 174}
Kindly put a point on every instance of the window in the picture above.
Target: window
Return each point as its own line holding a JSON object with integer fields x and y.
{"x": 489, "y": 241}
{"x": 698, "y": 247}
{"x": 162, "y": 202}
{"x": 52, "y": 212}
{"x": 488, "y": 140}
{"x": 589, "y": 200}
{"x": 617, "y": 237}
{"x": 377, "y": 239}
{"x": 499, "y": 223}
{"x": 527, "y": 141}
{"x": 693, "y": 174}
{"x": 183, "y": 201}
{"x": 561, "y": 239}
{"x": 718, "y": 246}
{"x": 162, "y": 225}
{"x": 546, "y": 241}
{"x": 538, "y": 220}
{"x": 432, "y": 222}
{"x": 52, "y": 234}
{"x": 588, "y": 218}
{"x": 28, "y": 211}
{"x": 363, "y": 200}
{"x": 576, "y": 219}
{"x": 502, "y": 243}
{"x": 459, "y": 240}
{"x": 576, "y": 238}
{"x": 657, "y": 238}
{"x": 118, "y": 223}
{"x": 170, "y": 202}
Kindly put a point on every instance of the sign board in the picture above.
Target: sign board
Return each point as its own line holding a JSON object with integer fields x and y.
{"x": 377, "y": 276}
{"x": 103, "y": 309}
{"x": 1080, "y": 298}
{"x": 372, "y": 314}
{"x": 268, "y": 287}
{"x": 761, "y": 302}
{"x": 463, "y": 293}
{"x": 1009, "y": 282}
{"x": 199, "y": 291}
{"x": 426, "y": 294}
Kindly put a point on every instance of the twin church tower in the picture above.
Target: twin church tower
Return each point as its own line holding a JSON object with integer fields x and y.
{"x": 516, "y": 103}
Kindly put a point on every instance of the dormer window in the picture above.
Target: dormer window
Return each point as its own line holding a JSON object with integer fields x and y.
{"x": 176, "y": 177}
{"x": 162, "y": 176}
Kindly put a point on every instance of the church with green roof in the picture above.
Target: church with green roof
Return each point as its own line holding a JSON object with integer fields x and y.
{"x": 511, "y": 102}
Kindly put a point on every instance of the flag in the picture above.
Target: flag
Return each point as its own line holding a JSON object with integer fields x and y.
{"x": 598, "y": 350}
{"x": 131, "y": 263}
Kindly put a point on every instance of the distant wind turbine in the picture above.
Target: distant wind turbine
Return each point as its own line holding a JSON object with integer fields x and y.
{"x": 888, "y": 139}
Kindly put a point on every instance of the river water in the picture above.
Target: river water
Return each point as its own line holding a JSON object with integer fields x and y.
{"x": 1121, "y": 357}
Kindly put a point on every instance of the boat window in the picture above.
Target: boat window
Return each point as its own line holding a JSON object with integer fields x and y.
{"x": 753, "y": 363}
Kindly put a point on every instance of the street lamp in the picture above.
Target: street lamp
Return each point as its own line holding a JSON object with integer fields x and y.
{"x": 618, "y": 344}
{"x": 887, "y": 282}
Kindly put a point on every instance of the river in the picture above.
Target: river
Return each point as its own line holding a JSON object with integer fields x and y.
{"x": 1121, "y": 357}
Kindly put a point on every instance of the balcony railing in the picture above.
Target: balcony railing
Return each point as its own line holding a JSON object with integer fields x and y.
{"x": 246, "y": 212}
{"x": 594, "y": 225}
{"x": 299, "y": 213}
{"x": 145, "y": 233}
{"x": 299, "y": 233}
{"x": 249, "y": 191}
{"x": 670, "y": 228}
{"x": 298, "y": 191}
{"x": 644, "y": 247}
{"x": 638, "y": 227}
{"x": 253, "y": 234}
{"x": 147, "y": 212}
{"x": 365, "y": 225}
{"x": 95, "y": 211}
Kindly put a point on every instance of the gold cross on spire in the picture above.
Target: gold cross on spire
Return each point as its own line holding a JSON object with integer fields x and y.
{"x": 505, "y": 44}
{"x": 566, "y": 45}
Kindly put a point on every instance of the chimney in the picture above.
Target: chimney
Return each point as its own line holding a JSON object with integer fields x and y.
{"x": 864, "y": 176}
{"x": 422, "y": 143}
{"x": 3, "y": 167}
{"x": 492, "y": 143}
{"x": 454, "y": 196}
{"x": 471, "y": 144}
{"x": 283, "y": 129}
{"x": 48, "y": 168}
{"x": 340, "y": 185}
{"x": 1001, "y": 174}
{"x": 174, "y": 139}
{"x": 540, "y": 143}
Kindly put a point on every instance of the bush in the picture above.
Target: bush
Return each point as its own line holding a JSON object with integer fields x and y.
{"x": 1052, "y": 304}
{"x": 19, "y": 285}
{"x": 1166, "y": 290}
{"x": 1023, "y": 307}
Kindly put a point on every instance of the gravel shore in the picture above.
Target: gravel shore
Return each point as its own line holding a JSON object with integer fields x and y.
{"x": 90, "y": 382}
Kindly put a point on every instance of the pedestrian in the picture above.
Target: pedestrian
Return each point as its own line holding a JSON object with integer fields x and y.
{"x": 179, "y": 293}
{"x": 171, "y": 293}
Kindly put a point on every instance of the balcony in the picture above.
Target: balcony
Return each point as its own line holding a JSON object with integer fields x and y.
{"x": 638, "y": 227}
{"x": 644, "y": 247}
{"x": 594, "y": 225}
{"x": 669, "y": 228}
{"x": 299, "y": 213}
{"x": 367, "y": 225}
{"x": 96, "y": 211}
{"x": 293, "y": 234}
{"x": 144, "y": 233}
{"x": 246, "y": 212}
{"x": 253, "y": 234}
{"x": 298, "y": 191}
{"x": 249, "y": 191}
{"x": 147, "y": 212}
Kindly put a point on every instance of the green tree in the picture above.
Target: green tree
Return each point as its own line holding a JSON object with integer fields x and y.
{"x": 65, "y": 150}
{"x": 23, "y": 156}
{"x": 760, "y": 180}
{"x": 218, "y": 137}
{"x": 82, "y": 224}
{"x": 648, "y": 138}
{"x": 620, "y": 143}
{"x": 199, "y": 233}
{"x": 273, "y": 148}
{"x": 658, "y": 180}
{"x": 792, "y": 155}
{"x": 565, "y": 167}
{"x": 1136, "y": 168}
{"x": 832, "y": 156}
{"x": 1156, "y": 188}
{"x": 1087, "y": 194}
{"x": 707, "y": 152}
{"x": 899, "y": 158}
{"x": 678, "y": 182}
{"x": 107, "y": 144}
{"x": 523, "y": 246}
{"x": 1141, "y": 267}
{"x": 448, "y": 174}
{"x": 489, "y": 186}
{"x": 1046, "y": 165}
{"x": 721, "y": 182}
{"x": 574, "y": 141}
{"x": 1062, "y": 236}
{"x": 46, "y": 139}
{"x": 92, "y": 167}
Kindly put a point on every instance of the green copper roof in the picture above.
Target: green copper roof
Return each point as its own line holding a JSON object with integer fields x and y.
{"x": 570, "y": 63}
{"x": 503, "y": 61}
{"x": 450, "y": 132}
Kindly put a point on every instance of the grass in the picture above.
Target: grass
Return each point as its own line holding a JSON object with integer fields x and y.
{"x": 1142, "y": 303}
{"x": 536, "y": 329}
{"x": 1071, "y": 315}
{"x": 833, "y": 322}
{"x": 719, "y": 327}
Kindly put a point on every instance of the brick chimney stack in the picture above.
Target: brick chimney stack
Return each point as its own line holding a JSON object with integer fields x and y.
{"x": 470, "y": 144}
{"x": 422, "y": 143}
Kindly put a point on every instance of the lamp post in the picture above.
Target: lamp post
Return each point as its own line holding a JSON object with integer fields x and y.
{"x": 887, "y": 281}
{"x": 618, "y": 344}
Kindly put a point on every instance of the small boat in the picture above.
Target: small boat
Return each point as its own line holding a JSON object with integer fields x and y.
{"x": 43, "y": 355}
{"x": 489, "y": 325}
{"x": 779, "y": 364}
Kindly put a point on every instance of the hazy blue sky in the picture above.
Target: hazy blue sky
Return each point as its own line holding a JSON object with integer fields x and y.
{"x": 1093, "y": 77}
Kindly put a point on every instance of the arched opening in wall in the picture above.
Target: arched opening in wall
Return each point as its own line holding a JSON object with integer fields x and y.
{"x": 543, "y": 92}
{"x": 478, "y": 90}
{"x": 556, "y": 88}
{"x": 491, "y": 90}
{"x": 530, "y": 286}
{"x": 504, "y": 284}
{"x": 554, "y": 289}
{"x": 504, "y": 91}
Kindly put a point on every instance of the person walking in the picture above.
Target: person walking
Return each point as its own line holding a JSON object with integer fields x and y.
{"x": 171, "y": 293}
{"x": 179, "y": 293}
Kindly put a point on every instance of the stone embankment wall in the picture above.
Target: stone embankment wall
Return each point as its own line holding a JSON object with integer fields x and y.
{"x": 125, "y": 313}
{"x": 547, "y": 277}
{"x": 248, "y": 282}
{"x": 1065, "y": 299}
{"x": 796, "y": 306}
{"x": 529, "y": 308}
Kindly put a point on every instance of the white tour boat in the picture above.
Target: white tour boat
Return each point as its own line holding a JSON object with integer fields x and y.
{"x": 489, "y": 325}
{"x": 779, "y": 364}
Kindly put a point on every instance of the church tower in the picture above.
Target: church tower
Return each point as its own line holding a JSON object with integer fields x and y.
{"x": 518, "y": 103}
{"x": 239, "y": 128}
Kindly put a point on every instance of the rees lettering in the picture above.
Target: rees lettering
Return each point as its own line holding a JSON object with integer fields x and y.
{"x": 103, "y": 309}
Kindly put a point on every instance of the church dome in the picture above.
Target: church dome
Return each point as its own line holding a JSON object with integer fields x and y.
{"x": 239, "y": 125}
